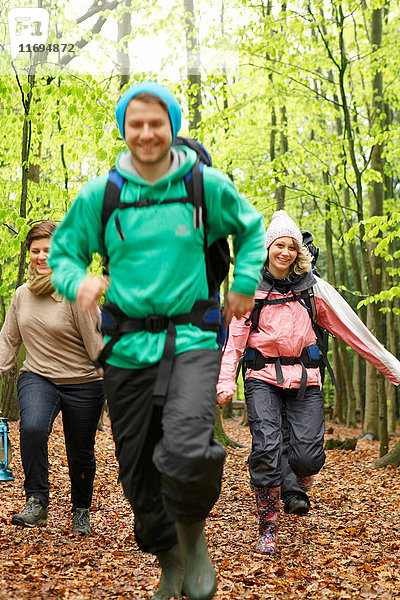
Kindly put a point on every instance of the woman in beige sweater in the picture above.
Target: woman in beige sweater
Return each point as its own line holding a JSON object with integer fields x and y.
{"x": 57, "y": 375}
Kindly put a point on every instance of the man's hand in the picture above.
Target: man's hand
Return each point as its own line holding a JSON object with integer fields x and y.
{"x": 89, "y": 292}
{"x": 223, "y": 398}
{"x": 238, "y": 305}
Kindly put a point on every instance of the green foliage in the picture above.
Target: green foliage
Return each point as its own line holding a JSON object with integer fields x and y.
{"x": 276, "y": 123}
{"x": 73, "y": 138}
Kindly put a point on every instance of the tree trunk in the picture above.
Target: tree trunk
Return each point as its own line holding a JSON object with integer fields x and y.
{"x": 227, "y": 410}
{"x": 358, "y": 384}
{"x": 10, "y": 402}
{"x": 193, "y": 65}
{"x": 26, "y": 141}
{"x": 280, "y": 192}
{"x": 339, "y": 394}
{"x": 349, "y": 130}
{"x": 345, "y": 361}
{"x": 245, "y": 418}
{"x": 2, "y": 303}
{"x": 124, "y": 29}
{"x": 358, "y": 366}
{"x": 376, "y": 209}
{"x": 371, "y": 414}
{"x": 351, "y": 417}
{"x": 337, "y": 366}
{"x": 391, "y": 344}
{"x": 225, "y": 91}
{"x": 392, "y": 458}
{"x": 219, "y": 432}
{"x": 382, "y": 426}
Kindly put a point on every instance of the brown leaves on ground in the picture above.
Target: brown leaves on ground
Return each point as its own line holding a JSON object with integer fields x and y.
{"x": 346, "y": 548}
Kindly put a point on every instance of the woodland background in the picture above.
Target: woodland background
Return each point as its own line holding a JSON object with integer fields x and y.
{"x": 308, "y": 121}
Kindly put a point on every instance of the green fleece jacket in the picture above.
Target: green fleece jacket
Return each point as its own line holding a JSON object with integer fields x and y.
{"x": 159, "y": 266}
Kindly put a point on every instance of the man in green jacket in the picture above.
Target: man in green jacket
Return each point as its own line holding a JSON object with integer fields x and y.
{"x": 170, "y": 464}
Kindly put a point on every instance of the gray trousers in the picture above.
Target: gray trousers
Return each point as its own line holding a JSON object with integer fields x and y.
{"x": 289, "y": 487}
{"x": 170, "y": 465}
{"x": 305, "y": 420}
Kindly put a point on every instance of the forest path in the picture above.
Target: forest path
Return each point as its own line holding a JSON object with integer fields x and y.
{"x": 348, "y": 547}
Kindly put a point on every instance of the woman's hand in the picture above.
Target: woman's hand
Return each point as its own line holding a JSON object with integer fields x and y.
{"x": 223, "y": 398}
{"x": 89, "y": 293}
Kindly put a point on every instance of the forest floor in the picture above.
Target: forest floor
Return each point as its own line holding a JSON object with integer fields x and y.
{"x": 348, "y": 546}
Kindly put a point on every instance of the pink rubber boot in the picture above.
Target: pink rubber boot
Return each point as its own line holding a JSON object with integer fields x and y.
{"x": 268, "y": 501}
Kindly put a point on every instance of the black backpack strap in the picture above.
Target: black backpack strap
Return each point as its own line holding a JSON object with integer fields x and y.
{"x": 259, "y": 304}
{"x": 311, "y": 304}
{"x": 217, "y": 256}
{"x": 111, "y": 202}
{"x": 195, "y": 190}
{"x": 112, "y": 195}
{"x": 165, "y": 366}
{"x": 320, "y": 333}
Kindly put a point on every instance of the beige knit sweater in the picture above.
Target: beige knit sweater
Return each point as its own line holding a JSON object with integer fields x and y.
{"x": 60, "y": 340}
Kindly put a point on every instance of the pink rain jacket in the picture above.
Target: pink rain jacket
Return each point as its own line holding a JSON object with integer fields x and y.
{"x": 285, "y": 329}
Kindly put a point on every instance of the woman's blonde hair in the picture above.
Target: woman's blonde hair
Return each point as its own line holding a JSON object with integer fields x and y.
{"x": 302, "y": 263}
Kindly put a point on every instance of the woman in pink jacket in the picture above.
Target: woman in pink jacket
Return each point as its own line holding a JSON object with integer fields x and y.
{"x": 282, "y": 367}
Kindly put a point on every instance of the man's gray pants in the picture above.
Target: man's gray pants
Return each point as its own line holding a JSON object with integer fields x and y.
{"x": 170, "y": 465}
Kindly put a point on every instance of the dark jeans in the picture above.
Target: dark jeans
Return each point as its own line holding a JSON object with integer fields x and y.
{"x": 305, "y": 419}
{"x": 170, "y": 464}
{"x": 80, "y": 405}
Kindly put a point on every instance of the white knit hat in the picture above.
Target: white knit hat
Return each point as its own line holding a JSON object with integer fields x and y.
{"x": 282, "y": 226}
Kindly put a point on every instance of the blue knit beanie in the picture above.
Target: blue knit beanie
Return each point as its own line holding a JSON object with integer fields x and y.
{"x": 150, "y": 87}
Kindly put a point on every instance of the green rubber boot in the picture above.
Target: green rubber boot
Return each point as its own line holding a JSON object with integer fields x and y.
{"x": 200, "y": 582}
{"x": 172, "y": 571}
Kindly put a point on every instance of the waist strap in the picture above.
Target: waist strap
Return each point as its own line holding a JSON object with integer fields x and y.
{"x": 308, "y": 359}
{"x": 205, "y": 314}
